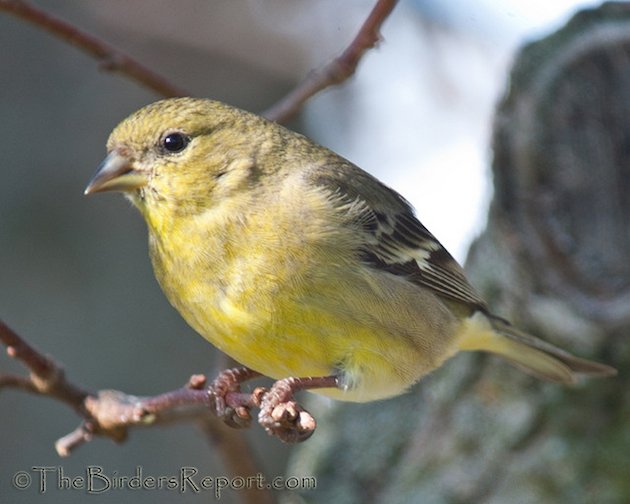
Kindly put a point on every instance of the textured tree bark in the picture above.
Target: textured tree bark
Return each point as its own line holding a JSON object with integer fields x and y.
{"x": 555, "y": 259}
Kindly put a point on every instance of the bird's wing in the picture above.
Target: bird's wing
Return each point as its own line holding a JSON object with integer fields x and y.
{"x": 400, "y": 244}
{"x": 394, "y": 240}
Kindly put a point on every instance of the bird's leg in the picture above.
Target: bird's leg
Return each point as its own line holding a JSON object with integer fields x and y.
{"x": 284, "y": 418}
{"x": 229, "y": 381}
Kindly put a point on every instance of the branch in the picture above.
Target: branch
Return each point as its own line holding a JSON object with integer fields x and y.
{"x": 46, "y": 376}
{"x": 338, "y": 70}
{"x": 334, "y": 73}
{"x": 110, "y": 413}
{"x": 111, "y": 59}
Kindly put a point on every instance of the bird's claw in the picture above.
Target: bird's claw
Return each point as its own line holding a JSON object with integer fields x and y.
{"x": 283, "y": 417}
{"x": 229, "y": 381}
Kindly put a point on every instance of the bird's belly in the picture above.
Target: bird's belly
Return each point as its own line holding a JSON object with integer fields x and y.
{"x": 301, "y": 341}
{"x": 372, "y": 333}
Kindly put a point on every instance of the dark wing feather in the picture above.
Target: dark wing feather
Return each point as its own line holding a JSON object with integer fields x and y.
{"x": 394, "y": 240}
{"x": 401, "y": 245}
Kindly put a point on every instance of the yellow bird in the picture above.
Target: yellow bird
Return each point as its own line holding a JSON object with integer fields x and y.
{"x": 297, "y": 263}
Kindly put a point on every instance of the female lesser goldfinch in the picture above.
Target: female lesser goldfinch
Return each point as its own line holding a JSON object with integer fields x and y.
{"x": 297, "y": 263}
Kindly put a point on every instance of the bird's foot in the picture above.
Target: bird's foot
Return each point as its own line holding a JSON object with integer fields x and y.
{"x": 226, "y": 384}
{"x": 284, "y": 418}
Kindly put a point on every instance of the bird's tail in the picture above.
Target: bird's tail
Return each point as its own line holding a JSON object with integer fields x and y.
{"x": 529, "y": 353}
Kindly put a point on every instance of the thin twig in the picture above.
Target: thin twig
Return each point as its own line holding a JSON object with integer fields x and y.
{"x": 335, "y": 72}
{"x": 46, "y": 376}
{"x": 111, "y": 413}
{"x": 338, "y": 70}
{"x": 18, "y": 382}
{"x": 111, "y": 59}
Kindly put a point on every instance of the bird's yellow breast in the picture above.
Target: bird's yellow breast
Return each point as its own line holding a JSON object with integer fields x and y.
{"x": 286, "y": 298}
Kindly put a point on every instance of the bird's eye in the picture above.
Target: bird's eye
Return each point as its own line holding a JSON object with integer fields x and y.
{"x": 174, "y": 142}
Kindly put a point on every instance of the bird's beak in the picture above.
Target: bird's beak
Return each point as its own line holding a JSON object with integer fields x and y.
{"x": 116, "y": 173}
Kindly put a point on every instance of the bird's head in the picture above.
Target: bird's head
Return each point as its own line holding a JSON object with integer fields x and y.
{"x": 183, "y": 154}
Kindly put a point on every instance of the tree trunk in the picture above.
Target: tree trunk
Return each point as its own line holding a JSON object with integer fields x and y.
{"x": 555, "y": 259}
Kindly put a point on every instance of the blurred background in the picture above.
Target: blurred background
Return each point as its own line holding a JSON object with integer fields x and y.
{"x": 75, "y": 279}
